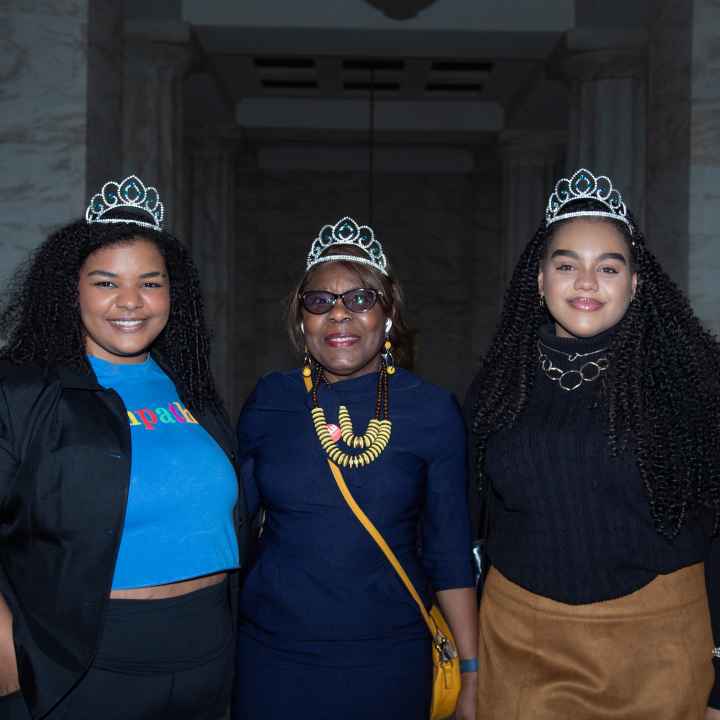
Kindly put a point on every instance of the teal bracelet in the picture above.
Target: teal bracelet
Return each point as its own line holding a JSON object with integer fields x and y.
{"x": 469, "y": 665}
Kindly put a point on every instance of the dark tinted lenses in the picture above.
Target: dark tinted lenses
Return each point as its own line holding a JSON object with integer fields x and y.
{"x": 317, "y": 301}
{"x": 320, "y": 301}
{"x": 359, "y": 300}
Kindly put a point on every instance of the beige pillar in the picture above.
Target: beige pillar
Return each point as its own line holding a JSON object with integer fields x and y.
{"x": 607, "y": 128}
{"x": 153, "y": 143}
{"x": 684, "y": 149}
{"x": 215, "y": 248}
{"x": 60, "y": 116}
{"x": 531, "y": 164}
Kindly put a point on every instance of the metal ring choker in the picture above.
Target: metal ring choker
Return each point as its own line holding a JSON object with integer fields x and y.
{"x": 572, "y": 379}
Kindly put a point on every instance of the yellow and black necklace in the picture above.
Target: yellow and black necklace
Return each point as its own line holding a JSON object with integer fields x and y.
{"x": 371, "y": 443}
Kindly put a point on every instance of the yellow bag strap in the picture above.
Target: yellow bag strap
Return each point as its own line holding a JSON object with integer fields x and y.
{"x": 377, "y": 537}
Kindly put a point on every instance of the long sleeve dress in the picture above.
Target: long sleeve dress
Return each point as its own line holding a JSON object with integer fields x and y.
{"x": 327, "y": 629}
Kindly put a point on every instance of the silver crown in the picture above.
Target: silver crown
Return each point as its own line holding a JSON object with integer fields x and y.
{"x": 128, "y": 193}
{"x": 348, "y": 232}
{"x": 583, "y": 185}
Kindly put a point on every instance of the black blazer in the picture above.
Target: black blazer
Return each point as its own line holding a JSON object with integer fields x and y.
{"x": 64, "y": 478}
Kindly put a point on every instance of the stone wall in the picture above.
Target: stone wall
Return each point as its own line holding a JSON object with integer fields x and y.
{"x": 668, "y": 158}
{"x": 441, "y": 233}
{"x": 59, "y": 116}
{"x": 684, "y": 149}
{"x": 704, "y": 221}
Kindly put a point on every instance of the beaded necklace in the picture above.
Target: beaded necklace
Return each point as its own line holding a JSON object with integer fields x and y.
{"x": 372, "y": 442}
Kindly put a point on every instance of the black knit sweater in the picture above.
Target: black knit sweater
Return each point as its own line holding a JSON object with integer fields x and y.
{"x": 570, "y": 522}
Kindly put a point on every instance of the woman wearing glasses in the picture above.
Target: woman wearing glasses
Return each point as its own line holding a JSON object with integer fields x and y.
{"x": 327, "y": 628}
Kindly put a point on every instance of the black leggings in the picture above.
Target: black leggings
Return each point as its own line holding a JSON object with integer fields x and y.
{"x": 158, "y": 660}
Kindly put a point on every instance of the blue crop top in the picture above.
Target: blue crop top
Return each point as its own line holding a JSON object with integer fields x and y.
{"x": 179, "y": 518}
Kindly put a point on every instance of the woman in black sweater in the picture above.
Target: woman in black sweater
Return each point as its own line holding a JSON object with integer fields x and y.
{"x": 595, "y": 428}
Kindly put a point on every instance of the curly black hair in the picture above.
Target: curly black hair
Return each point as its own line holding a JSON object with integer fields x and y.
{"x": 660, "y": 395}
{"x": 40, "y": 315}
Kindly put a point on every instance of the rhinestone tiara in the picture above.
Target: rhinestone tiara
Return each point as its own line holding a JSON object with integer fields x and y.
{"x": 128, "y": 194}
{"x": 347, "y": 232}
{"x": 583, "y": 185}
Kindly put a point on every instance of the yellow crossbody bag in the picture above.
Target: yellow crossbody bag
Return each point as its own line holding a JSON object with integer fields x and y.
{"x": 446, "y": 663}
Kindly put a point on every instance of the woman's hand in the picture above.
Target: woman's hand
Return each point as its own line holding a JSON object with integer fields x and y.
{"x": 712, "y": 714}
{"x": 9, "y": 682}
{"x": 459, "y": 606}
{"x": 467, "y": 702}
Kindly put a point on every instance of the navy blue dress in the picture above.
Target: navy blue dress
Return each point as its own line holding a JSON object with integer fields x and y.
{"x": 327, "y": 630}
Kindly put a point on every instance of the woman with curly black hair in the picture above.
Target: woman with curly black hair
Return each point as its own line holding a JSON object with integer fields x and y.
{"x": 120, "y": 510}
{"x": 595, "y": 425}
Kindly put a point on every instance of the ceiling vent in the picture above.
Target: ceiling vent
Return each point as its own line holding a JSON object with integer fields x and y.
{"x": 291, "y": 63}
{"x": 373, "y": 64}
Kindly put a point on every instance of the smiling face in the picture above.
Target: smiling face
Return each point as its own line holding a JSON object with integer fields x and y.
{"x": 586, "y": 277}
{"x": 346, "y": 344}
{"x": 124, "y": 296}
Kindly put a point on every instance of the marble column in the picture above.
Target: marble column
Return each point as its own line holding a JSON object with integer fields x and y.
{"x": 704, "y": 215}
{"x": 60, "y": 115}
{"x": 215, "y": 248}
{"x": 153, "y": 128}
{"x": 531, "y": 164}
{"x": 684, "y": 149}
{"x": 485, "y": 257}
{"x": 608, "y": 118}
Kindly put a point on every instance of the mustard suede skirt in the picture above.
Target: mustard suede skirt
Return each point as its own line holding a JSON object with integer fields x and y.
{"x": 644, "y": 656}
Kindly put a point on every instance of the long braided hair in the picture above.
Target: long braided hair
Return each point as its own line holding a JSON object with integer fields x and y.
{"x": 660, "y": 396}
{"x": 40, "y": 315}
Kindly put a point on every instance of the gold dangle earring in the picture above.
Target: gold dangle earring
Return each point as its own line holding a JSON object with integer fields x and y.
{"x": 388, "y": 358}
{"x": 387, "y": 347}
{"x": 307, "y": 365}
{"x": 307, "y": 360}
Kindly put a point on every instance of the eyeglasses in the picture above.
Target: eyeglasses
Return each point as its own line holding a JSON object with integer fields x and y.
{"x": 358, "y": 300}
